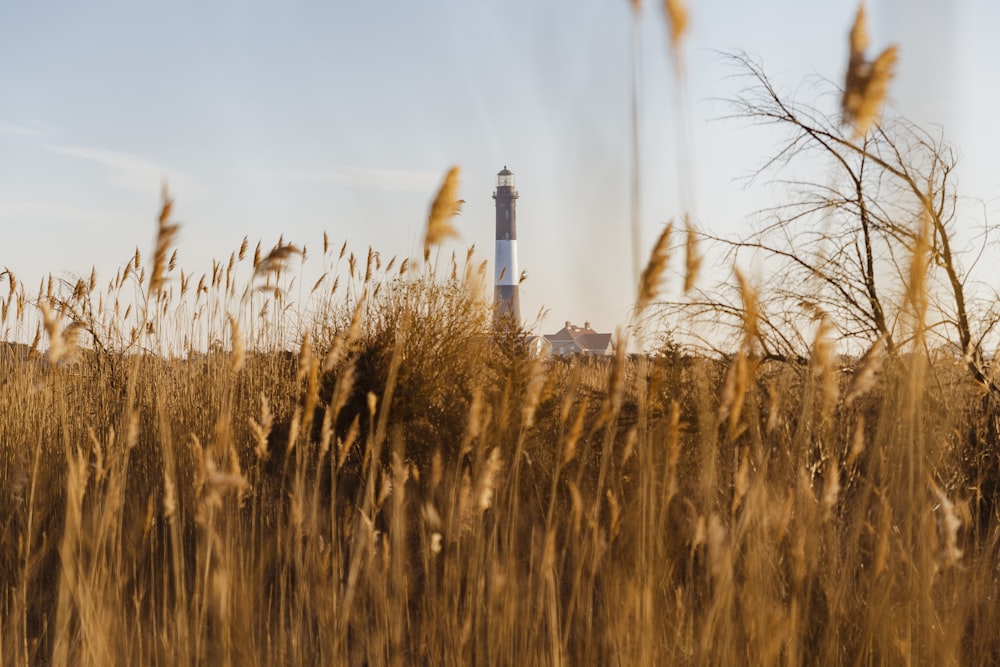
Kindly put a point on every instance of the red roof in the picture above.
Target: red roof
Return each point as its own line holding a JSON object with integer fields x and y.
{"x": 579, "y": 340}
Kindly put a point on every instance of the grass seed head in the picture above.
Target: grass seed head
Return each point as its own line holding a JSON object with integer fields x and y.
{"x": 575, "y": 432}
{"x": 445, "y": 206}
{"x": 489, "y": 478}
{"x": 276, "y": 260}
{"x": 831, "y": 488}
{"x": 677, "y": 20}
{"x": 949, "y": 524}
{"x": 649, "y": 283}
{"x": 692, "y": 258}
{"x": 866, "y": 83}
{"x": 57, "y": 345}
{"x": 533, "y": 392}
{"x": 165, "y": 235}
{"x": 238, "y": 349}
{"x": 866, "y": 372}
{"x": 262, "y": 430}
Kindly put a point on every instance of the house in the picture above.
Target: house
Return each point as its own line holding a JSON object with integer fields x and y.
{"x": 572, "y": 339}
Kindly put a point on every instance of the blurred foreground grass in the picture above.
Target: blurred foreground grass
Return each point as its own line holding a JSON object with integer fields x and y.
{"x": 405, "y": 487}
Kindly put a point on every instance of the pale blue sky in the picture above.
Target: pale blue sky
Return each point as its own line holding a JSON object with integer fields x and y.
{"x": 295, "y": 118}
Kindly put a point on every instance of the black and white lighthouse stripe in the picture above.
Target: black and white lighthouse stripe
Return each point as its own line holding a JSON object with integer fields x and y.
{"x": 506, "y": 275}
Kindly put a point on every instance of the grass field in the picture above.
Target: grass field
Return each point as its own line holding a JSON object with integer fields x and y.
{"x": 405, "y": 488}
{"x": 236, "y": 468}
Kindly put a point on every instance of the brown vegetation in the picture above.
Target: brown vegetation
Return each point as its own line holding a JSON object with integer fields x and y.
{"x": 400, "y": 491}
{"x": 203, "y": 472}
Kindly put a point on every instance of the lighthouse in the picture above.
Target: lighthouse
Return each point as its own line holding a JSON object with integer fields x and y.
{"x": 506, "y": 276}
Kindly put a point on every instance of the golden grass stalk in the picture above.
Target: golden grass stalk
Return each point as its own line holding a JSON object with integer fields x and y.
{"x": 865, "y": 375}
{"x": 860, "y": 40}
{"x": 949, "y": 523}
{"x": 857, "y": 442}
{"x": 720, "y": 555}
{"x": 166, "y": 232}
{"x": 741, "y": 482}
{"x": 649, "y": 283}
{"x": 750, "y": 311}
{"x": 741, "y": 371}
{"x": 615, "y": 512}
{"x": 344, "y": 387}
{"x": 866, "y": 83}
{"x": 344, "y": 445}
{"x": 238, "y": 349}
{"x": 533, "y": 392}
{"x": 692, "y": 258}
{"x": 677, "y": 21}
{"x": 343, "y": 342}
{"x": 57, "y": 345}
{"x": 489, "y": 478}
{"x": 169, "y": 498}
{"x": 917, "y": 298}
{"x": 262, "y": 430}
{"x": 305, "y": 358}
{"x": 831, "y": 488}
{"x": 474, "y": 423}
{"x": 823, "y": 363}
{"x": 612, "y": 403}
{"x": 11, "y": 281}
{"x": 734, "y": 394}
{"x": 372, "y": 255}
{"x": 276, "y": 260}
{"x": 220, "y": 481}
{"x": 445, "y": 206}
{"x": 673, "y": 447}
{"x": 575, "y": 432}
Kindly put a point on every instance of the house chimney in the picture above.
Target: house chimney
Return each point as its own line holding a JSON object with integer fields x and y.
{"x": 586, "y": 325}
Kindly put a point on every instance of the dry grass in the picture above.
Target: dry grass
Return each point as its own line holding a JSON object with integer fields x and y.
{"x": 866, "y": 83}
{"x": 205, "y": 472}
{"x": 652, "y": 275}
{"x": 677, "y": 20}
{"x": 445, "y": 206}
{"x": 398, "y": 491}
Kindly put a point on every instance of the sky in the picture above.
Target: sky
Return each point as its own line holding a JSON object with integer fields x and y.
{"x": 273, "y": 119}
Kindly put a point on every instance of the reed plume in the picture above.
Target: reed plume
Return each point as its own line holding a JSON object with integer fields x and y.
{"x": 57, "y": 345}
{"x": 649, "y": 283}
{"x": 866, "y": 82}
{"x": 276, "y": 260}
{"x": 166, "y": 232}
{"x": 692, "y": 258}
{"x": 677, "y": 20}
{"x": 445, "y": 206}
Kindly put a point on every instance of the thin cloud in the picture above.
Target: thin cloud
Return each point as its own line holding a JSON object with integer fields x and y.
{"x": 24, "y": 211}
{"x": 13, "y": 130}
{"x": 127, "y": 171}
{"x": 374, "y": 179}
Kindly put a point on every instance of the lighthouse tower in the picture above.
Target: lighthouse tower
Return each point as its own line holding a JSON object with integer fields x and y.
{"x": 508, "y": 305}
